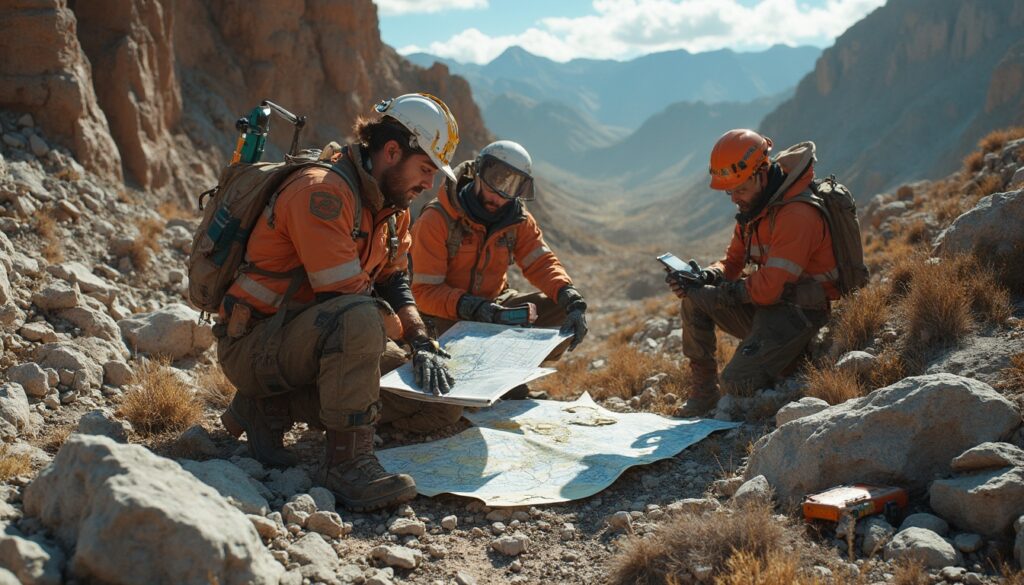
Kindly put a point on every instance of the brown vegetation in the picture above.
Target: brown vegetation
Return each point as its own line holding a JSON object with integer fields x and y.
{"x": 997, "y": 139}
{"x": 215, "y": 388}
{"x": 146, "y": 243}
{"x": 159, "y": 401}
{"x": 46, "y": 228}
{"x": 13, "y": 464}
{"x": 53, "y": 437}
{"x": 860, "y": 317}
{"x": 832, "y": 384}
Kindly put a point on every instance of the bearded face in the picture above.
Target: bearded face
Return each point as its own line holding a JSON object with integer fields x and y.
{"x": 406, "y": 179}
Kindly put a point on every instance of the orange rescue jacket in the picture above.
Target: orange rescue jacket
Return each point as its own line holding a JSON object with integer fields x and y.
{"x": 312, "y": 227}
{"x": 480, "y": 265}
{"x": 786, "y": 243}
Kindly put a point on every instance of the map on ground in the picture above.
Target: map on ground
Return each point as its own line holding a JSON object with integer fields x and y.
{"x": 487, "y": 361}
{"x": 528, "y": 452}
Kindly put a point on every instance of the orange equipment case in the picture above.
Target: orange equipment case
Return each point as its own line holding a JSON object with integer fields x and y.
{"x": 856, "y": 501}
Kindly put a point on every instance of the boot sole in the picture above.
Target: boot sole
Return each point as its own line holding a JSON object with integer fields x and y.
{"x": 378, "y": 502}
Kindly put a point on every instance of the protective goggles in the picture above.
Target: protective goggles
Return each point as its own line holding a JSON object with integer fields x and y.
{"x": 504, "y": 179}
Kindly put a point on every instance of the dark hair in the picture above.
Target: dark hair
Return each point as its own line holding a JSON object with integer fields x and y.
{"x": 374, "y": 134}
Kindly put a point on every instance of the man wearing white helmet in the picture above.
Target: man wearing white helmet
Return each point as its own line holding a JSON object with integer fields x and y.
{"x": 465, "y": 240}
{"x": 334, "y": 243}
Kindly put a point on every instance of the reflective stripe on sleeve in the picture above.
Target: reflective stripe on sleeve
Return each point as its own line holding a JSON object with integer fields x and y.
{"x": 535, "y": 255}
{"x": 418, "y": 278}
{"x": 826, "y": 276}
{"x": 787, "y": 265}
{"x": 335, "y": 274}
{"x": 258, "y": 291}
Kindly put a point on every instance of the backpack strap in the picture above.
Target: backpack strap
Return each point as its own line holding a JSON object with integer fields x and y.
{"x": 346, "y": 172}
{"x": 455, "y": 230}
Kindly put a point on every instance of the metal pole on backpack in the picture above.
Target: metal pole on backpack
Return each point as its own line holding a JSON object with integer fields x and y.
{"x": 255, "y": 127}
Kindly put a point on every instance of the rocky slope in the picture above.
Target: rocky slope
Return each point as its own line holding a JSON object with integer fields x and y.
{"x": 906, "y": 92}
{"x": 148, "y": 91}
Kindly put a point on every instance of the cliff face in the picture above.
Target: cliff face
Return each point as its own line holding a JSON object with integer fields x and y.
{"x": 149, "y": 90}
{"x": 907, "y": 91}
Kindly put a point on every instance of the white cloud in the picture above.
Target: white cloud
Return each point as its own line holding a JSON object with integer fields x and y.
{"x": 623, "y": 29}
{"x": 400, "y": 7}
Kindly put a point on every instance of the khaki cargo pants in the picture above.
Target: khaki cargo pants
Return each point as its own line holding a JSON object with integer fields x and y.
{"x": 773, "y": 337}
{"x": 328, "y": 358}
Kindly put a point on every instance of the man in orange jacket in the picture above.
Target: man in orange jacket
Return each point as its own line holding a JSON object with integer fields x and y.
{"x": 772, "y": 289}
{"x": 465, "y": 240}
{"x": 305, "y": 327}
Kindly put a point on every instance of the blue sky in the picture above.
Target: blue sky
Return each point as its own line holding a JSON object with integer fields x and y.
{"x": 479, "y": 30}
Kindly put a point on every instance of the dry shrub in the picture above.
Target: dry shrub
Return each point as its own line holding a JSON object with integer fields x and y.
{"x": 831, "y": 384}
{"x": 860, "y": 317}
{"x": 46, "y": 227}
{"x": 910, "y": 572}
{"x": 708, "y": 540}
{"x": 146, "y": 243}
{"x": 997, "y": 139}
{"x": 159, "y": 401}
{"x": 889, "y": 369}
{"x": 172, "y": 210}
{"x": 973, "y": 162}
{"x": 937, "y": 309}
{"x": 626, "y": 371}
{"x": 53, "y": 438}
{"x": 916, "y": 232}
{"x": 1012, "y": 377}
{"x": 988, "y": 185}
{"x": 13, "y": 464}
{"x": 990, "y": 301}
{"x": 215, "y": 388}
{"x": 776, "y": 568}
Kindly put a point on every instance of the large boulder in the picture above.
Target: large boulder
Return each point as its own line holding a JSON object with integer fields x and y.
{"x": 92, "y": 322}
{"x": 237, "y": 487}
{"x": 924, "y": 546}
{"x": 173, "y": 331}
{"x": 986, "y": 502}
{"x": 903, "y": 434}
{"x": 14, "y": 411}
{"x": 134, "y": 517}
{"x": 993, "y": 224}
{"x": 73, "y": 357}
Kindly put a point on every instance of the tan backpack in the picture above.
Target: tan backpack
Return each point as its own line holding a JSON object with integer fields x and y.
{"x": 243, "y": 193}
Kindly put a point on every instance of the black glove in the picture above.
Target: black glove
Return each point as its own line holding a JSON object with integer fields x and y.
{"x": 429, "y": 370}
{"x": 571, "y": 301}
{"x": 708, "y": 276}
{"x": 471, "y": 308}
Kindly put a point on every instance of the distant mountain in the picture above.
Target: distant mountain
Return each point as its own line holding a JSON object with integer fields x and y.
{"x": 625, "y": 93}
{"x": 906, "y": 92}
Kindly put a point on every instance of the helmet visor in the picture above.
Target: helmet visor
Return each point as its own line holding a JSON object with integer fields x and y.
{"x": 506, "y": 180}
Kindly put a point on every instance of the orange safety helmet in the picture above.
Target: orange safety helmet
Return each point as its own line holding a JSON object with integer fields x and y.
{"x": 736, "y": 156}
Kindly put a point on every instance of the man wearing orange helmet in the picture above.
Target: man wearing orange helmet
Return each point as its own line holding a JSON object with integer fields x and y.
{"x": 772, "y": 289}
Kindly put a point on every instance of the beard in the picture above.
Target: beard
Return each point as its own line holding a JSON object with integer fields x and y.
{"x": 395, "y": 192}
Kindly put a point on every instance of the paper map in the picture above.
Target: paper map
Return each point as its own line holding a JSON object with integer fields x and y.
{"x": 527, "y": 452}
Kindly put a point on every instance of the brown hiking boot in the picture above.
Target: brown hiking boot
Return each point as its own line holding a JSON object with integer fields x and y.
{"x": 356, "y": 477}
{"x": 264, "y": 423}
{"x": 704, "y": 391}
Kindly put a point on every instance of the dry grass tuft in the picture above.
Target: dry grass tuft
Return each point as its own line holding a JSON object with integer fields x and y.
{"x": 974, "y": 162}
{"x": 860, "y": 317}
{"x": 54, "y": 437}
{"x": 831, "y": 384}
{"x": 172, "y": 210}
{"x": 214, "y": 387}
{"x": 776, "y": 568}
{"x": 1012, "y": 378}
{"x": 708, "y": 540}
{"x": 46, "y": 227}
{"x": 936, "y": 309}
{"x": 908, "y": 572}
{"x": 990, "y": 301}
{"x": 625, "y": 374}
{"x": 997, "y": 139}
{"x": 146, "y": 243}
{"x": 889, "y": 369}
{"x": 159, "y": 401}
{"x": 13, "y": 464}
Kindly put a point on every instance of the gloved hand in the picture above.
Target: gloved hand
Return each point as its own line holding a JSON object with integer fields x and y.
{"x": 471, "y": 308}
{"x": 429, "y": 370}
{"x": 708, "y": 276}
{"x": 571, "y": 301}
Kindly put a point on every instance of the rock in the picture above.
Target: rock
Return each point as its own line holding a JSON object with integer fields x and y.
{"x": 924, "y": 546}
{"x": 754, "y": 490}
{"x": 32, "y": 378}
{"x": 450, "y": 522}
{"x": 69, "y": 210}
{"x": 99, "y": 496}
{"x": 312, "y": 549}
{"x": 406, "y": 526}
{"x": 76, "y": 272}
{"x": 858, "y": 362}
{"x": 40, "y": 331}
{"x": 196, "y": 441}
{"x": 117, "y": 373}
{"x": 102, "y": 422}
{"x": 266, "y": 528}
{"x": 298, "y": 509}
{"x": 15, "y": 140}
{"x": 986, "y": 502}
{"x": 9, "y": 578}
{"x": 988, "y": 226}
{"x": 328, "y": 524}
{"x": 173, "y": 331}
{"x": 953, "y": 574}
{"x": 876, "y": 532}
{"x": 806, "y": 406}
{"x": 71, "y": 357}
{"x": 621, "y": 521}
{"x": 38, "y": 145}
{"x": 57, "y": 295}
{"x": 928, "y": 421}
{"x": 727, "y": 487}
{"x": 464, "y": 578}
{"x": 927, "y": 521}
{"x": 33, "y": 561}
{"x": 93, "y": 323}
{"x": 511, "y": 545}
{"x": 1018, "y": 177}
{"x": 968, "y": 543}
{"x": 397, "y": 556}
{"x": 988, "y": 456}
{"x": 14, "y": 411}
{"x": 233, "y": 484}
{"x": 888, "y": 210}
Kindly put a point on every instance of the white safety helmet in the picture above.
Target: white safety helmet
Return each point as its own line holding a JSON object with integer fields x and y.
{"x": 433, "y": 127}
{"x": 507, "y": 168}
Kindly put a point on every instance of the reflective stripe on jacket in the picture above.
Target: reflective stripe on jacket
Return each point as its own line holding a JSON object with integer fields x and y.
{"x": 480, "y": 265}
{"x": 312, "y": 228}
{"x": 787, "y": 243}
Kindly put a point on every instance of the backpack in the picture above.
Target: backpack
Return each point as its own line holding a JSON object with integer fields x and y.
{"x": 456, "y": 231}
{"x": 243, "y": 193}
{"x": 836, "y": 203}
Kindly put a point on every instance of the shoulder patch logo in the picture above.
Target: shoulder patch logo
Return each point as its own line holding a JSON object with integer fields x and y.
{"x": 326, "y": 206}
